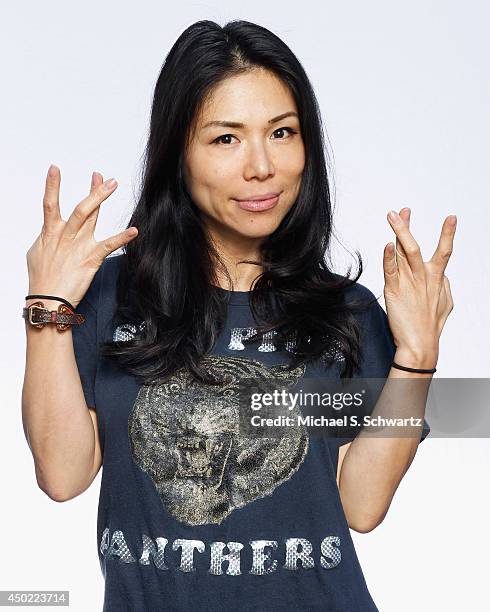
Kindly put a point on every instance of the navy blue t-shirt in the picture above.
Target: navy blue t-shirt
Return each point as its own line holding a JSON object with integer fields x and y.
{"x": 194, "y": 516}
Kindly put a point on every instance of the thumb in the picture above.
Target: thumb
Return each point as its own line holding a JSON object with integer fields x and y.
{"x": 109, "y": 245}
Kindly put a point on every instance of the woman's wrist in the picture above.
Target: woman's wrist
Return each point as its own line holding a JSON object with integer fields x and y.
{"x": 424, "y": 360}
{"x": 49, "y": 304}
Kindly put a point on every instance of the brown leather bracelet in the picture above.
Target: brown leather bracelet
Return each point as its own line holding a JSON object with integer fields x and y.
{"x": 37, "y": 315}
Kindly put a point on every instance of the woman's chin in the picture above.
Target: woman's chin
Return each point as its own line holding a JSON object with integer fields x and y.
{"x": 255, "y": 229}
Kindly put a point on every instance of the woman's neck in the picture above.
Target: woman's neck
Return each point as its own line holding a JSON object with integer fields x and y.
{"x": 235, "y": 253}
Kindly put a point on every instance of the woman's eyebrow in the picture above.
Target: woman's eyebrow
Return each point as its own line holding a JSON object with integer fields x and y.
{"x": 234, "y": 124}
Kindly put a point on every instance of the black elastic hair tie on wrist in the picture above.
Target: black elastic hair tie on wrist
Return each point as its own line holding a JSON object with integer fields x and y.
{"x": 399, "y": 367}
{"x": 51, "y": 297}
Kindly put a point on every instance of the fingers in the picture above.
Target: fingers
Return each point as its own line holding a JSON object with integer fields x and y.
{"x": 410, "y": 246}
{"x": 390, "y": 268}
{"x": 444, "y": 248}
{"x": 51, "y": 199}
{"x": 405, "y": 215}
{"x": 401, "y": 256}
{"x": 97, "y": 180}
{"x": 108, "y": 246}
{"x": 82, "y": 210}
{"x": 394, "y": 257}
{"x": 91, "y": 222}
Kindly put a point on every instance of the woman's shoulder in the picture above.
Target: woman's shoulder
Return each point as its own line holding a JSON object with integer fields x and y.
{"x": 356, "y": 290}
{"x": 104, "y": 281}
{"x": 109, "y": 270}
{"x": 113, "y": 262}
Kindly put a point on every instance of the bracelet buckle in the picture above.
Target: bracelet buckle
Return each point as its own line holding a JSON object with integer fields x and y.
{"x": 31, "y": 309}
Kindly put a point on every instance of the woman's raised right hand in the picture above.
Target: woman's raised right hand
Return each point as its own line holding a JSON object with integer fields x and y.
{"x": 64, "y": 258}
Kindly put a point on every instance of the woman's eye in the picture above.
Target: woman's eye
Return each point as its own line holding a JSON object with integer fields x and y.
{"x": 285, "y": 129}
{"x": 220, "y": 139}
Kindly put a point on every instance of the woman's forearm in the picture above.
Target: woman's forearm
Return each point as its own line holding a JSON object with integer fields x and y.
{"x": 375, "y": 464}
{"x": 57, "y": 424}
{"x": 418, "y": 302}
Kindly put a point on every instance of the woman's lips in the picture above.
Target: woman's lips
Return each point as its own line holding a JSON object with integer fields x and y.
{"x": 257, "y": 205}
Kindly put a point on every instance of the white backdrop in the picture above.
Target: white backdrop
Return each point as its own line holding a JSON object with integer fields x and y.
{"x": 404, "y": 93}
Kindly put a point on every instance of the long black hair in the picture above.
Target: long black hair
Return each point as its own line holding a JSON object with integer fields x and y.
{"x": 168, "y": 278}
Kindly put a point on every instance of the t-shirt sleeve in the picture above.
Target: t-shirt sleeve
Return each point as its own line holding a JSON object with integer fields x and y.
{"x": 85, "y": 339}
{"x": 378, "y": 351}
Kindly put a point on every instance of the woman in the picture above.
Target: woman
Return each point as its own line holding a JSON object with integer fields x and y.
{"x": 224, "y": 278}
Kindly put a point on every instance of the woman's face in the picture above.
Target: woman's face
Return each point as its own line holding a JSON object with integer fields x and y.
{"x": 255, "y": 152}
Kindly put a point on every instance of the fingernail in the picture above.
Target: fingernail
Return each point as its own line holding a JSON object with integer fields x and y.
{"x": 109, "y": 184}
{"x": 52, "y": 170}
{"x": 452, "y": 220}
{"x": 394, "y": 216}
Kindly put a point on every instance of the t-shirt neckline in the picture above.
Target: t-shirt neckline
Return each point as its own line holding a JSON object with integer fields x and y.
{"x": 235, "y": 297}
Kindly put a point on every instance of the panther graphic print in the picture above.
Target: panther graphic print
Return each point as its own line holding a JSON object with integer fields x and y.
{"x": 186, "y": 436}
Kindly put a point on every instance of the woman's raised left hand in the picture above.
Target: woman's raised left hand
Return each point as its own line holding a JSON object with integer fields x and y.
{"x": 417, "y": 293}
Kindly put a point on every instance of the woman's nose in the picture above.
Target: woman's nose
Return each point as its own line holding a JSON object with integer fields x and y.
{"x": 258, "y": 163}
